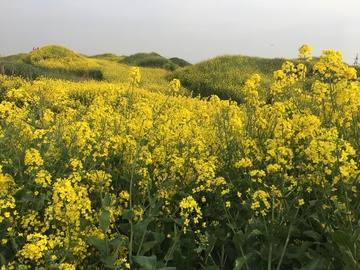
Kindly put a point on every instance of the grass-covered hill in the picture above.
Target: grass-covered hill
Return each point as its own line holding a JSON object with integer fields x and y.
{"x": 108, "y": 56}
{"x": 64, "y": 60}
{"x": 154, "y": 60}
{"x": 225, "y": 75}
{"x": 51, "y": 61}
{"x": 59, "y": 62}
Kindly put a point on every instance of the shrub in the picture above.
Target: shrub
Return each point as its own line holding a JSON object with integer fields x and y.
{"x": 180, "y": 62}
{"x": 20, "y": 69}
{"x": 153, "y": 60}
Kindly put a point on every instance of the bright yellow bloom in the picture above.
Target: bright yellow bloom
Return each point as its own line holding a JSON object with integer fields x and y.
{"x": 304, "y": 50}
{"x": 33, "y": 158}
{"x": 301, "y": 202}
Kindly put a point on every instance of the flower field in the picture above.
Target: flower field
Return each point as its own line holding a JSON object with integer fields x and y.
{"x": 112, "y": 175}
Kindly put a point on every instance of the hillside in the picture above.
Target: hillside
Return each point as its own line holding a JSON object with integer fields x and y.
{"x": 65, "y": 61}
{"x": 154, "y": 60}
{"x": 59, "y": 62}
{"x": 225, "y": 75}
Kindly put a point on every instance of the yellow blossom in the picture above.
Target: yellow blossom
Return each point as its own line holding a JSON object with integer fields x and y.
{"x": 301, "y": 202}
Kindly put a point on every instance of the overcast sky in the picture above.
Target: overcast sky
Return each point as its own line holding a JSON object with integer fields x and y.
{"x": 194, "y": 30}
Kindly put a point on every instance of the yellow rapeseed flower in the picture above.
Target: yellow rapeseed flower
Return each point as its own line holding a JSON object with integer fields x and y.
{"x": 305, "y": 50}
{"x": 301, "y": 202}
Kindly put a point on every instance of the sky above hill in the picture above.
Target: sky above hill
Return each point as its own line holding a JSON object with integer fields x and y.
{"x": 194, "y": 30}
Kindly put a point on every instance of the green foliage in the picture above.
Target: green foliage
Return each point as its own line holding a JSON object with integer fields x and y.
{"x": 20, "y": 69}
{"x": 180, "y": 62}
{"x": 108, "y": 56}
{"x": 13, "y": 58}
{"x": 153, "y": 60}
{"x": 357, "y": 70}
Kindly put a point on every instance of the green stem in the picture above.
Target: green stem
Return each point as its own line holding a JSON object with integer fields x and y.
{"x": 131, "y": 203}
{"x": 287, "y": 240}
{"x": 286, "y": 243}
{"x": 270, "y": 247}
{"x": 243, "y": 254}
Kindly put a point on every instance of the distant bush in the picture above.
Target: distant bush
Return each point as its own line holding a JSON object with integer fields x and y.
{"x": 107, "y": 56}
{"x": 20, "y": 69}
{"x": 180, "y": 62}
{"x": 149, "y": 60}
{"x": 357, "y": 68}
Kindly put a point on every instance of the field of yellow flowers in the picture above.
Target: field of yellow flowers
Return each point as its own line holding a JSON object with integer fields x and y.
{"x": 101, "y": 175}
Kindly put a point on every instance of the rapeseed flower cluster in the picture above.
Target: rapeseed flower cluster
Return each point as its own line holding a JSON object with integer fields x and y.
{"x": 188, "y": 206}
{"x": 305, "y": 50}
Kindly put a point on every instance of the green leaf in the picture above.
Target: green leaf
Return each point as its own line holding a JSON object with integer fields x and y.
{"x": 211, "y": 244}
{"x": 40, "y": 203}
{"x": 315, "y": 263}
{"x": 341, "y": 238}
{"x": 104, "y": 220}
{"x": 98, "y": 243}
{"x": 155, "y": 209}
{"x": 116, "y": 242}
{"x": 142, "y": 225}
{"x": 2, "y": 260}
{"x": 147, "y": 263}
{"x": 152, "y": 202}
{"x": 106, "y": 200}
{"x": 355, "y": 236}
{"x": 280, "y": 231}
{"x": 128, "y": 214}
{"x": 110, "y": 260}
{"x": 167, "y": 268}
{"x": 240, "y": 238}
{"x": 168, "y": 183}
{"x": 25, "y": 196}
{"x": 312, "y": 234}
{"x": 301, "y": 250}
{"x": 158, "y": 239}
{"x": 147, "y": 246}
{"x": 346, "y": 245}
{"x": 273, "y": 239}
{"x": 239, "y": 262}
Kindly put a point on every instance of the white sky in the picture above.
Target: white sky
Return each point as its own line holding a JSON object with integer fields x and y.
{"x": 194, "y": 30}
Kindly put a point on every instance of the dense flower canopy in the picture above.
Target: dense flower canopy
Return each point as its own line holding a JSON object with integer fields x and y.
{"x": 99, "y": 174}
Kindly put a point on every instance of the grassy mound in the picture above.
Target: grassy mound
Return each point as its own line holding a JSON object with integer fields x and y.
{"x": 58, "y": 62}
{"x": 225, "y": 75}
{"x": 108, "y": 56}
{"x": 180, "y": 62}
{"x": 65, "y": 61}
{"x": 153, "y": 60}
